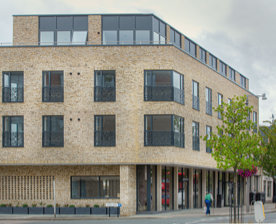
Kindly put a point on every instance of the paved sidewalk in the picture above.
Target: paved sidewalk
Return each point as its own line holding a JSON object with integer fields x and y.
{"x": 269, "y": 208}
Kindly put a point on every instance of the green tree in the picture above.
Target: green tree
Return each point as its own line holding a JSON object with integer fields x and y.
{"x": 268, "y": 160}
{"x": 235, "y": 145}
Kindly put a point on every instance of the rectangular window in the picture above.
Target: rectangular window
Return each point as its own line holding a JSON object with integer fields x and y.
{"x": 52, "y": 131}
{"x": 222, "y": 68}
{"x": 269, "y": 187}
{"x": 208, "y": 134}
{"x": 86, "y": 187}
{"x": 110, "y": 37}
{"x": 142, "y": 36}
{"x": 195, "y": 95}
{"x": 202, "y": 53}
{"x": 195, "y": 129}
{"x": 243, "y": 81}
{"x": 255, "y": 121}
{"x": 208, "y": 93}
{"x": 159, "y": 31}
{"x": 12, "y": 87}
{"x": 104, "y": 130}
{"x": 63, "y": 30}
{"x": 190, "y": 47}
{"x": 52, "y": 90}
{"x": 164, "y": 130}
{"x": 126, "y": 37}
{"x": 104, "y": 90}
{"x": 232, "y": 74}
{"x": 175, "y": 37}
{"x": 220, "y": 99}
{"x": 164, "y": 86}
{"x": 213, "y": 62}
{"x": 13, "y": 131}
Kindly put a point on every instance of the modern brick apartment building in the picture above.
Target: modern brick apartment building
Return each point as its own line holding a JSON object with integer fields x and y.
{"x": 112, "y": 108}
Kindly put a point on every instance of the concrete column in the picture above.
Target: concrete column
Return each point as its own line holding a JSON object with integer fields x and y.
{"x": 204, "y": 177}
{"x": 175, "y": 188}
{"x": 191, "y": 189}
{"x": 216, "y": 189}
{"x": 128, "y": 190}
{"x": 159, "y": 188}
{"x": 153, "y": 192}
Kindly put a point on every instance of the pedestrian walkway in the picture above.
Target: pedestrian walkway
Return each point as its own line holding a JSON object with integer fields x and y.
{"x": 269, "y": 207}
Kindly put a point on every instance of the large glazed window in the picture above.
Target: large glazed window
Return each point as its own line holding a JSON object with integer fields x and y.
{"x": 162, "y": 85}
{"x": 104, "y": 90}
{"x": 220, "y": 99}
{"x": 104, "y": 130}
{"x": 190, "y": 47}
{"x": 243, "y": 81}
{"x": 222, "y": 68}
{"x": 12, "y": 87}
{"x": 13, "y": 131}
{"x": 175, "y": 37}
{"x": 63, "y": 30}
{"x": 164, "y": 130}
{"x": 202, "y": 54}
{"x": 213, "y": 62}
{"x": 232, "y": 74}
{"x": 85, "y": 187}
{"x": 52, "y": 90}
{"x": 129, "y": 30}
{"x": 52, "y": 131}
{"x": 208, "y": 134}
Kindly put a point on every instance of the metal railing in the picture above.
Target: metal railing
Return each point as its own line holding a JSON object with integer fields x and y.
{"x": 104, "y": 94}
{"x": 52, "y": 94}
{"x": 52, "y": 138}
{"x": 11, "y": 94}
{"x": 195, "y": 102}
{"x": 104, "y": 138}
{"x": 13, "y": 139}
{"x": 163, "y": 138}
{"x": 163, "y": 93}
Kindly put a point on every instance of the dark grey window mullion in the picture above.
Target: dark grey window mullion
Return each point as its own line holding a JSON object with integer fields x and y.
{"x": 172, "y": 130}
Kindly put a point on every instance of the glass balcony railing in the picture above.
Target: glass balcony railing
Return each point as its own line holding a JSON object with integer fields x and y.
{"x": 104, "y": 94}
{"x": 164, "y": 138}
{"x": 11, "y": 94}
{"x": 52, "y": 94}
{"x": 104, "y": 138}
{"x": 13, "y": 139}
{"x": 52, "y": 139}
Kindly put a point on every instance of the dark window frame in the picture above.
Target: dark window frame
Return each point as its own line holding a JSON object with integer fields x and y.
{"x": 99, "y": 188}
{"x": 173, "y": 89}
{"x": 52, "y": 145}
{"x": 208, "y": 149}
{"x": 196, "y": 99}
{"x": 188, "y": 48}
{"x": 9, "y": 73}
{"x": 232, "y": 74}
{"x": 95, "y": 86}
{"x": 201, "y": 53}
{"x": 196, "y": 138}
{"x": 220, "y": 98}
{"x": 222, "y": 68}
{"x": 55, "y": 43}
{"x": 213, "y": 62}
{"x": 172, "y": 30}
{"x": 172, "y": 118}
{"x": 3, "y": 131}
{"x": 50, "y": 86}
{"x": 209, "y": 103}
{"x": 101, "y": 117}
{"x": 243, "y": 81}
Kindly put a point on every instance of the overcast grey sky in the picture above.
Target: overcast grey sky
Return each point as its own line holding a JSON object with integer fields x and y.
{"x": 240, "y": 32}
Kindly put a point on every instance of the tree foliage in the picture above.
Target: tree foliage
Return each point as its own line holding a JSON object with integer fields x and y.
{"x": 268, "y": 161}
{"x": 236, "y": 145}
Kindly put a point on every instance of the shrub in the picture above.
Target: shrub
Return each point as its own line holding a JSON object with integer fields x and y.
{"x": 96, "y": 206}
{"x": 33, "y": 205}
{"x": 25, "y": 206}
{"x": 71, "y": 206}
{"x": 3, "y": 205}
{"x": 49, "y": 206}
{"x": 87, "y": 206}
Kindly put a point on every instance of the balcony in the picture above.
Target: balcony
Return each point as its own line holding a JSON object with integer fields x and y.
{"x": 195, "y": 102}
{"x": 104, "y": 138}
{"x": 164, "y": 138}
{"x": 52, "y": 94}
{"x": 13, "y": 139}
{"x": 164, "y": 93}
{"x": 104, "y": 94}
{"x": 52, "y": 139}
{"x": 11, "y": 94}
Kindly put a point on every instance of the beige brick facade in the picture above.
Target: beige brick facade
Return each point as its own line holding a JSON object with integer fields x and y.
{"x": 79, "y": 156}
